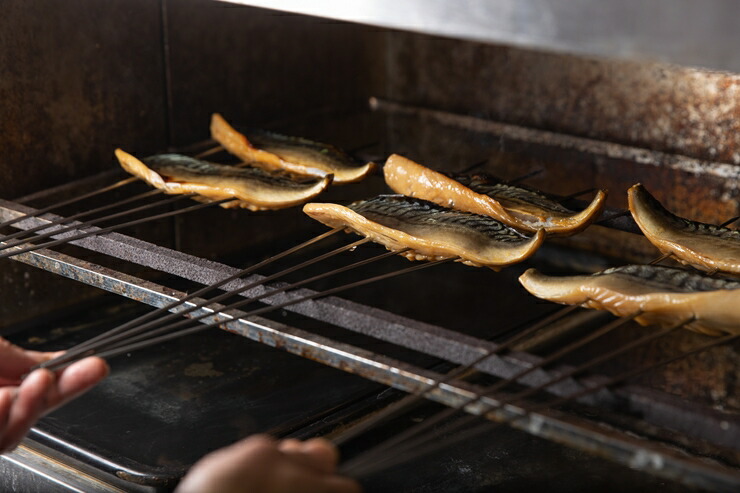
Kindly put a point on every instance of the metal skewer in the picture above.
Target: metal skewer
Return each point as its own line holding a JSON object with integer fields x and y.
{"x": 365, "y": 467}
{"x": 208, "y": 152}
{"x": 69, "y": 201}
{"x": 132, "y": 331}
{"x": 400, "y": 439}
{"x": 157, "y": 340}
{"x": 80, "y": 348}
{"x": 68, "y": 219}
{"x": 489, "y": 392}
{"x": 112, "y": 228}
{"x": 138, "y": 334}
{"x": 409, "y": 400}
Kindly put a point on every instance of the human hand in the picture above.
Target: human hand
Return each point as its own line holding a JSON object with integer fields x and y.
{"x": 23, "y": 402}
{"x": 260, "y": 464}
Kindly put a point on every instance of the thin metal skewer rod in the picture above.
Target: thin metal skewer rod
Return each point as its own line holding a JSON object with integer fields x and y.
{"x": 208, "y": 152}
{"x": 402, "y": 439}
{"x": 69, "y": 201}
{"x": 658, "y": 260}
{"x": 260, "y": 311}
{"x": 596, "y": 361}
{"x": 586, "y": 366}
{"x": 525, "y": 176}
{"x": 68, "y": 219}
{"x": 113, "y": 228}
{"x": 729, "y": 221}
{"x": 80, "y": 348}
{"x": 410, "y": 400}
{"x": 574, "y": 195}
{"x": 364, "y": 470}
{"x": 611, "y": 382}
{"x": 633, "y": 373}
{"x": 613, "y": 216}
{"x": 138, "y": 332}
{"x": 92, "y": 222}
{"x": 564, "y": 351}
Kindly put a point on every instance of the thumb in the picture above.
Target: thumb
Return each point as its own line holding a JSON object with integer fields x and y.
{"x": 15, "y": 361}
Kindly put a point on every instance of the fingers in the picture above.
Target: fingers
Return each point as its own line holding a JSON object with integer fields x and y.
{"x": 40, "y": 392}
{"x": 260, "y": 463}
{"x": 316, "y": 453}
{"x": 29, "y": 404}
{"x": 15, "y": 361}
{"x": 7, "y": 397}
{"x": 76, "y": 379}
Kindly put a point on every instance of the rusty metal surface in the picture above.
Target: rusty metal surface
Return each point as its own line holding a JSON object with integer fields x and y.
{"x": 657, "y": 106}
{"x": 79, "y": 79}
{"x": 257, "y": 66}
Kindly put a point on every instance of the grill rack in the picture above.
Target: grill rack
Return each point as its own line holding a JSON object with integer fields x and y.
{"x": 656, "y": 408}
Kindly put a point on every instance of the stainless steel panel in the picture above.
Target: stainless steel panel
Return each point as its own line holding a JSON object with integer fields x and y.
{"x": 694, "y": 33}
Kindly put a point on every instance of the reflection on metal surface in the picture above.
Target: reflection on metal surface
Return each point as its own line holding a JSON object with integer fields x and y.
{"x": 693, "y": 33}
{"x": 51, "y": 474}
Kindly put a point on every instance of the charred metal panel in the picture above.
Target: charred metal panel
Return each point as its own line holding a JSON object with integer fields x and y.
{"x": 262, "y": 67}
{"x": 79, "y": 78}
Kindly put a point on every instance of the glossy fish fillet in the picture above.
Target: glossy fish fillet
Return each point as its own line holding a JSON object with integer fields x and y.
{"x": 432, "y": 232}
{"x": 665, "y": 295}
{"x": 704, "y": 246}
{"x": 278, "y": 152}
{"x": 252, "y": 188}
{"x": 518, "y": 207}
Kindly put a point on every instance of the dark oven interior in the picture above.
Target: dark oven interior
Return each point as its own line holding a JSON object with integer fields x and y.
{"x": 85, "y": 77}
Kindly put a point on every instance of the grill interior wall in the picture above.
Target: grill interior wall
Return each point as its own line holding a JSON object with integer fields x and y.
{"x": 88, "y": 76}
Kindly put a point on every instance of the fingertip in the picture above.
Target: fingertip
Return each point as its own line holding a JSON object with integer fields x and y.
{"x": 254, "y": 444}
{"x": 290, "y": 445}
{"x": 37, "y": 382}
{"x": 7, "y": 396}
{"x": 323, "y": 448}
{"x": 79, "y": 378}
{"x": 86, "y": 372}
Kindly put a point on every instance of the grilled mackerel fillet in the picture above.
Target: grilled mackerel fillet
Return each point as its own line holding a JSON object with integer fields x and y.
{"x": 251, "y": 188}
{"x": 704, "y": 246}
{"x": 518, "y": 207}
{"x": 663, "y": 296}
{"x": 273, "y": 151}
{"x": 432, "y": 232}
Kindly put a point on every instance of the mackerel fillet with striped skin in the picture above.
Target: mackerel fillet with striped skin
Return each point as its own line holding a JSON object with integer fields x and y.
{"x": 662, "y": 296}
{"x": 273, "y": 151}
{"x": 430, "y": 231}
{"x": 704, "y": 246}
{"x": 518, "y": 207}
{"x": 251, "y": 188}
